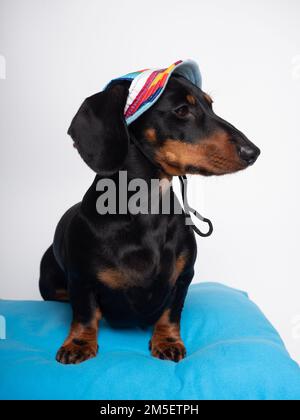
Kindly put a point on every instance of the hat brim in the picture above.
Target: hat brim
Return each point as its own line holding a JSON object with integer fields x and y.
{"x": 188, "y": 69}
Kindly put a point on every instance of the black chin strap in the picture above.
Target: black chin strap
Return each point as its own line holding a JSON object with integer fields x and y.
{"x": 187, "y": 208}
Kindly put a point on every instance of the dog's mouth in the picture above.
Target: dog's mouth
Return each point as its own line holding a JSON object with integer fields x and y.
{"x": 193, "y": 170}
{"x": 218, "y": 155}
{"x": 215, "y": 167}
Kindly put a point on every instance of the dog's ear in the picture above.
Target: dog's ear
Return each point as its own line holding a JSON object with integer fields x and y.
{"x": 99, "y": 130}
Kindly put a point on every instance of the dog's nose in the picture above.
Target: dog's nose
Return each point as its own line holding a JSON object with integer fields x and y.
{"x": 249, "y": 154}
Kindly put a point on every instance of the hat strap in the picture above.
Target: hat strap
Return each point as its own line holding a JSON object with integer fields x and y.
{"x": 184, "y": 193}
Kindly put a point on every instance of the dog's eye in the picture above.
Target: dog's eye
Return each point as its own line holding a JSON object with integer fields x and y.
{"x": 182, "y": 111}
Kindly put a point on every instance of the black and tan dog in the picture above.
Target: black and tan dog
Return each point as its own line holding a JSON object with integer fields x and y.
{"x": 136, "y": 269}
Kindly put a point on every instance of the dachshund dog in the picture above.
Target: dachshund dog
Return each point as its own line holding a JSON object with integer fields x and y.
{"x": 135, "y": 269}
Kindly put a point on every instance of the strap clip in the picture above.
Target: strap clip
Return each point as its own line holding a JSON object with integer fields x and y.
{"x": 188, "y": 210}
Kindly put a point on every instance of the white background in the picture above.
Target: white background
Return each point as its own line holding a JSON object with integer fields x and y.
{"x": 58, "y": 52}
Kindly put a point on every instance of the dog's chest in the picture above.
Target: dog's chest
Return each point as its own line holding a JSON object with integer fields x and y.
{"x": 142, "y": 268}
{"x": 138, "y": 288}
{"x": 135, "y": 305}
{"x": 139, "y": 273}
{"x": 139, "y": 256}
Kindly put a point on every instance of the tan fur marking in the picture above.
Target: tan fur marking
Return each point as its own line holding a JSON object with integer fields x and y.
{"x": 166, "y": 341}
{"x": 83, "y": 332}
{"x": 191, "y": 99}
{"x": 133, "y": 270}
{"x": 164, "y": 328}
{"x": 81, "y": 343}
{"x": 215, "y": 154}
{"x": 208, "y": 98}
{"x": 150, "y": 135}
{"x": 119, "y": 279}
{"x": 179, "y": 267}
{"x": 112, "y": 278}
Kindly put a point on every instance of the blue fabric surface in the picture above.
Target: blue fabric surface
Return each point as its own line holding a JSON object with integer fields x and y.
{"x": 233, "y": 353}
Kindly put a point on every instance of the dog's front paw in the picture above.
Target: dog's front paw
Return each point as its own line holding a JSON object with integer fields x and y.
{"x": 76, "y": 352}
{"x": 168, "y": 349}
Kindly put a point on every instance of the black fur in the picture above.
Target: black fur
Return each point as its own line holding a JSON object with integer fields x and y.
{"x": 145, "y": 246}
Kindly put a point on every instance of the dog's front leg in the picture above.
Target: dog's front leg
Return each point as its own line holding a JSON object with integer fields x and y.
{"x": 81, "y": 343}
{"x": 166, "y": 342}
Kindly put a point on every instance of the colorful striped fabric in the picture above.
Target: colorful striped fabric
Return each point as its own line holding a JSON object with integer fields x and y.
{"x": 148, "y": 85}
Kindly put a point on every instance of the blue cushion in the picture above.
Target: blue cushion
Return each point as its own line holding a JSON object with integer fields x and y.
{"x": 233, "y": 353}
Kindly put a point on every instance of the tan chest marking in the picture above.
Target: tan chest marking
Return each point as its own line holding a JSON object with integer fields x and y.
{"x": 179, "y": 267}
{"x": 113, "y": 278}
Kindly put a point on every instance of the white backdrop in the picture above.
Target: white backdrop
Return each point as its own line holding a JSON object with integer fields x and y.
{"x": 54, "y": 53}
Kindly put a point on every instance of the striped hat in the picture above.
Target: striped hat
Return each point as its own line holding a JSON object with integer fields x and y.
{"x": 148, "y": 85}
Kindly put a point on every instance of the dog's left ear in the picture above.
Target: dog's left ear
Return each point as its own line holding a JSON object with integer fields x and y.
{"x": 99, "y": 130}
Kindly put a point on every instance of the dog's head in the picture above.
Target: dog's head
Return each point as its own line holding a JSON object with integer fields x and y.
{"x": 180, "y": 132}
